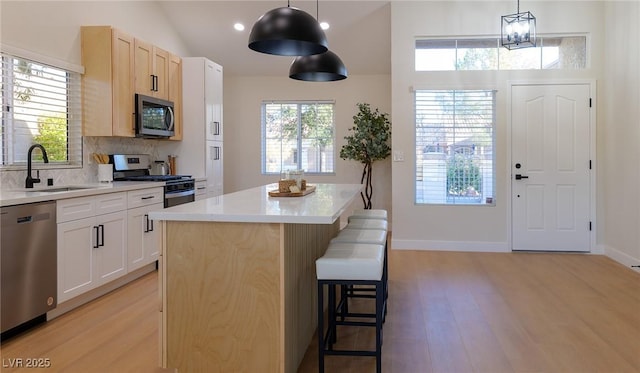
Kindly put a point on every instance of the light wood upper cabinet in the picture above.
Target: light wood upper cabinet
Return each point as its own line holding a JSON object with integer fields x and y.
{"x": 175, "y": 93}
{"x": 152, "y": 70}
{"x": 108, "y": 82}
{"x": 117, "y": 66}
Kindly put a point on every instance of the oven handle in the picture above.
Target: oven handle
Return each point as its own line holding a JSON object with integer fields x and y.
{"x": 179, "y": 194}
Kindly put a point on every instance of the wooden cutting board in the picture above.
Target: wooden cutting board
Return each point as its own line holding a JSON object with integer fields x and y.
{"x": 276, "y": 193}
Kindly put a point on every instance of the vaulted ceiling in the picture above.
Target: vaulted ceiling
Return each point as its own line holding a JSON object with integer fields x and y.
{"x": 359, "y": 33}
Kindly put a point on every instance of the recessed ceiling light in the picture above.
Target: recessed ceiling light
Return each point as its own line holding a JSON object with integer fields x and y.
{"x": 238, "y": 26}
{"x": 324, "y": 25}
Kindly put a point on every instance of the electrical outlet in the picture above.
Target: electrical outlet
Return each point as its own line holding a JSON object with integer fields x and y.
{"x": 398, "y": 156}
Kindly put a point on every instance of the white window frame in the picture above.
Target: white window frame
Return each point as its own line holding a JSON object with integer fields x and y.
{"x": 12, "y": 158}
{"x": 300, "y": 140}
{"x": 440, "y": 195}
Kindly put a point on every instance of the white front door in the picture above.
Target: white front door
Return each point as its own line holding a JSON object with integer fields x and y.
{"x": 550, "y": 167}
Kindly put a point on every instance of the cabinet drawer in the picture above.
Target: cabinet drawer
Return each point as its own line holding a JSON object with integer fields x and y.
{"x": 112, "y": 202}
{"x": 74, "y": 208}
{"x": 201, "y": 188}
{"x": 84, "y": 207}
{"x": 145, "y": 197}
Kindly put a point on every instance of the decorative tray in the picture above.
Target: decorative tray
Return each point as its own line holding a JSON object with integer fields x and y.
{"x": 276, "y": 193}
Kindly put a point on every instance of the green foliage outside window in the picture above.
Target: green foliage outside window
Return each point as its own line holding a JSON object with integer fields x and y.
{"x": 463, "y": 176}
{"x": 53, "y": 136}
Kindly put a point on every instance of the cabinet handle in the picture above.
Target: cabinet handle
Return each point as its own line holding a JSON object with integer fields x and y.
{"x": 216, "y": 128}
{"x": 217, "y": 153}
{"x": 147, "y": 197}
{"x": 97, "y": 240}
{"x": 101, "y": 235}
{"x": 153, "y": 82}
{"x": 151, "y": 230}
{"x": 146, "y": 223}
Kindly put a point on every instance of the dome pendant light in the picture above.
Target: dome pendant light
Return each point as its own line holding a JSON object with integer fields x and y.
{"x": 324, "y": 67}
{"x": 287, "y": 31}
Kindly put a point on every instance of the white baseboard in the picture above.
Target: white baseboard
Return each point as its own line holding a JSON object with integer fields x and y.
{"x": 468, "y": 246}
{"x": 622, "y": 258}
{"x": 87, "y": 297}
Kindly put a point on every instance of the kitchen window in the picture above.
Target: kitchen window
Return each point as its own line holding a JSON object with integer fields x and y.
{"x": 40, "y": 104}
{"x": 298, "y": 135}
{"x": 455, "y": 162}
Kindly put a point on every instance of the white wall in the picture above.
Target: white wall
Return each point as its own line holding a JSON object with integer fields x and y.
{"x": 51, "y": 29}
{"x": 473, "y": 228}
{"x": 620, "y": 142}
{"x": 242, "y": 99}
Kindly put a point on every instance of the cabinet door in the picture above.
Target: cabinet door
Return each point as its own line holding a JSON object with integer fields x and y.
{"x": 76, "y": 240}
{"x": 153, "y": 238}
{"x": 123, "y": 50}
{"x": 215, "y": 169}
{"x": 144, "y": 75}
{"x": 217, "y": 103}
{"x": 108, "y": 82}
{"x": 175, "y": 93}
{"x": 161, "y": 71}
{"x": 213, "y": 101}
{"x": 144, "y": 237}
{"x": 110, "y": 259}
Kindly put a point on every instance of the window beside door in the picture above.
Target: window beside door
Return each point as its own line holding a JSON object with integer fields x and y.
{"x": 455, "y": 161}
{"x": 298, "y": 135}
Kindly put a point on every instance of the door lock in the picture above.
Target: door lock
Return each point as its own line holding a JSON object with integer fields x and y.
{"x": 520, "y": 177}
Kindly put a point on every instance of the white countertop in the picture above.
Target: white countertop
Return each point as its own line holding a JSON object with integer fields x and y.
{"x": 254, "y": 205}
{"x": 10, "y": 197}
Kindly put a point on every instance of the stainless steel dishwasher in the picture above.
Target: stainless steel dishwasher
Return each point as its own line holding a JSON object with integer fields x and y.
{"x": 28, "y": 262}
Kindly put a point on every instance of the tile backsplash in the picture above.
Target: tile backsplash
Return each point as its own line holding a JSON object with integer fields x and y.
{"x": 12, "y": 179}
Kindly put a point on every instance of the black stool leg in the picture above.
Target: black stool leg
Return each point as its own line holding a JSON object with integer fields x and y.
{"x": 320, "y": 328}
{"x": 380, "y": 294}
{"x": 332, "y": 316}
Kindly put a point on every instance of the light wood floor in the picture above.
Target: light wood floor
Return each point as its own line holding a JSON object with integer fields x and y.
{"x": 448, "y": 312}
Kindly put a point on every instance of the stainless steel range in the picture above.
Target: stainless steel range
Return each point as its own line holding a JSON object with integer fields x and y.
{"x": 178, "y": 189}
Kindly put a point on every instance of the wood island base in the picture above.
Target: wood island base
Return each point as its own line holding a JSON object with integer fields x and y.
{"x": 239, "y": 297}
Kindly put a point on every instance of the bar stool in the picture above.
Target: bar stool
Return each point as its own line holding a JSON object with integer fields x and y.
{"x": 369, "y": 214}
{"x": 367, "y": 223}
{"x": 348, "y": 264}
{"x": 363, "y": 236}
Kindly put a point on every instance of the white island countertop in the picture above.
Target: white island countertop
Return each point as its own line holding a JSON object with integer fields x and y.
{"x": 254, "y": 205}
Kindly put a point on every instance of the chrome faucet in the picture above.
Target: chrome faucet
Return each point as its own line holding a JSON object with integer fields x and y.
{"x": 30, "y": 180}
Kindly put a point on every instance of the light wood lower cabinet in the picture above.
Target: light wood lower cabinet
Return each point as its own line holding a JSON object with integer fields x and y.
{"x": 91, "y": 248}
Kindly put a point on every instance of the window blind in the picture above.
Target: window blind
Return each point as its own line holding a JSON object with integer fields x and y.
{"x": 454, "y": 146}
{"x": 40, "y": 104}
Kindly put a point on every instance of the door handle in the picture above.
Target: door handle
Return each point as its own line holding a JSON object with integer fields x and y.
{"x": 520, "y": 177}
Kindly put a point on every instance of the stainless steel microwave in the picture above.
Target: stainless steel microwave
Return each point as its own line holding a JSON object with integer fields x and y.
{"x": 154, "y": 117}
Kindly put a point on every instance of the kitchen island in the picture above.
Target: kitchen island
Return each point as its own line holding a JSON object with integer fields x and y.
{"x": 237, "y": 277}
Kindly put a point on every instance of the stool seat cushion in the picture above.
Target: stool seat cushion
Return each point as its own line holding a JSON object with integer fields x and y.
{"x": 369, "y": 214}
{"x": 367, "y": 224}
{"x": 356, "y": 263}
{"x": 374, "y": 236}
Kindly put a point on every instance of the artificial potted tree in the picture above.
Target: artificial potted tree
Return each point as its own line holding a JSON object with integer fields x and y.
{"x": 368, "y": 142}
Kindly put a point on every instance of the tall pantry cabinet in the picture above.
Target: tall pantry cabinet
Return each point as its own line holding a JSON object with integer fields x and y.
{"x": 201, "y": 149}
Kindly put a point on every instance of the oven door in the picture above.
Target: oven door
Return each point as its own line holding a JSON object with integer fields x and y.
{"x": 179, "y": 197}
